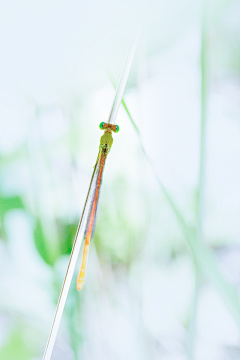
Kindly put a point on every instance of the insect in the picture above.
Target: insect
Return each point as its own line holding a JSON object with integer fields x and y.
{"x": 104, "y": 148}
{"x": 87, "y": 222}
{"x": 85, "y": 229}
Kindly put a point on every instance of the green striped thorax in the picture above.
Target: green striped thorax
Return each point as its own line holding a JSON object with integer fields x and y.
{"x": 106, "y": 140}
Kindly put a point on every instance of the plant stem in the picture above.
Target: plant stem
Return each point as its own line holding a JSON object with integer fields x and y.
{"x": 201, "y": 182}
{"x": 193, "y": 315}
{"x": 204, "y": 96}
{"x": 205, "y": 259}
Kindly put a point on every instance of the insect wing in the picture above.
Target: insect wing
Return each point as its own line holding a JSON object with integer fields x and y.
{"x": 91, "y": 223}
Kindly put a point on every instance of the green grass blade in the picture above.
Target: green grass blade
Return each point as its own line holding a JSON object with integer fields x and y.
{"x": 205, "y": 258}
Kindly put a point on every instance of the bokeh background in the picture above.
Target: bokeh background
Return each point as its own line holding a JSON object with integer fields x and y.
{"x": 163, "y": 275}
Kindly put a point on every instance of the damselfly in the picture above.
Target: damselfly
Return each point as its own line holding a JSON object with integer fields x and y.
{"x": 87, "y": 223}
{"x": 104, "y": 148}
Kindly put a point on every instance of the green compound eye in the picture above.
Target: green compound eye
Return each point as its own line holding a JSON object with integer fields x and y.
{"x": 101, "y": 125}
{"x": 117, "y": 129}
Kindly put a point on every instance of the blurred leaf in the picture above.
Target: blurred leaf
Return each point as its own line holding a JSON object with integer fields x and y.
{"x": 7, "y": 204}
{"x": 67, "y": 235}
{"x": 41, "y": 244}
{"x": 15, "y": 347}
{"x": 10, "y": 203}
{"x": 19, "y": 153}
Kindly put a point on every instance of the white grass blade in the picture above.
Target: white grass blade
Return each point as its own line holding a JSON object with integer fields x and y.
{"x": 123, "y": 80}
{"x": 71, "y": 267}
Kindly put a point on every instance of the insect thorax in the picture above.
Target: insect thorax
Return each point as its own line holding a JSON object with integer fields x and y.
{"x": 106, "y": 141}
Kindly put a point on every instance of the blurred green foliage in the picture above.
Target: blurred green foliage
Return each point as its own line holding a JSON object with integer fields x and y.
{"x": 162, "y": 279}
{"x": 6, "y": 204}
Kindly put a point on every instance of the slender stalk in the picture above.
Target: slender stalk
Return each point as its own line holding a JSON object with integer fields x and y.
{"x": 193, "y": 314}
{"x": 82, "y": 224}
{"x": 68, "y": 276}
{"x": 201, "y": 182}
{"x": 204, "y": 257}
{"x": 204, "y": 96}
{"x": 123, "y": 79}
